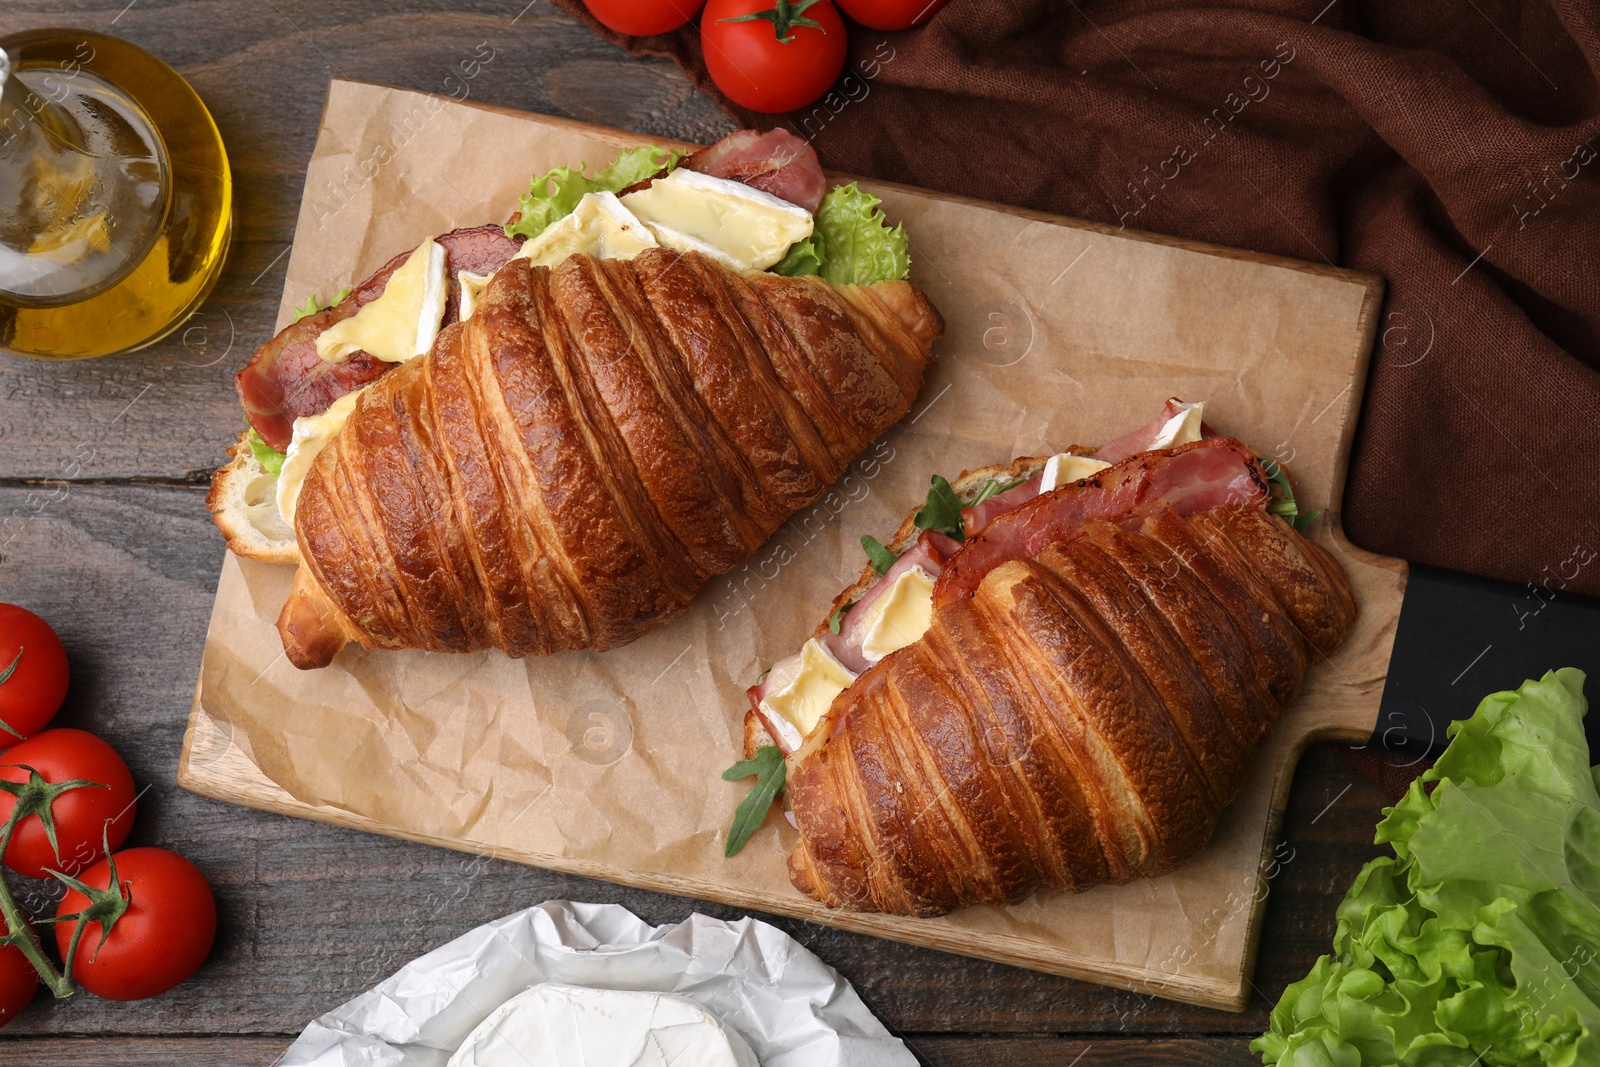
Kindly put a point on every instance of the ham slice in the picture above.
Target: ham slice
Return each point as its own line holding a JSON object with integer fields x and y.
{"x": 1145, "y": 436}
{"x": 929, "y": 552}
{"x": 1190, "y": 478}
{"x": 978, "y": 516}
{"x": 286, "y": 379}
{"x": 775, "y": 162}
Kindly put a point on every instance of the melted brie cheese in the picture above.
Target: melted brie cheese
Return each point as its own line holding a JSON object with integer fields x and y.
{"x": 471, "y": 287}
{"x": 801, "y": 688}
{"x": 554, "y": 1025}
{"x": 739, "y": 226}
{"x": 400, "y": 324}
{"x": 899, "y": 616}
{"x": 599, "y": 226}
{"x": 1182, "y": 427}
{"x": 1065, "y": 468}
{"x": 311, "y": 435}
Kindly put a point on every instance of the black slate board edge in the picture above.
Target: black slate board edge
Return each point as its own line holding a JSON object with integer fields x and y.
{"x": 1461, "y": 637}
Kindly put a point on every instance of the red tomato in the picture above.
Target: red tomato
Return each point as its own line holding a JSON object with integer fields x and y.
{"x": 163, "y": 937}
{"x": 18, "y": 980}
{"x": 760, "y": 71}
{"x": 641, "y": 18}
{"x": 80, "y": 814}
{"x": 37, "y": 684}
{"x": 891, "y": 14}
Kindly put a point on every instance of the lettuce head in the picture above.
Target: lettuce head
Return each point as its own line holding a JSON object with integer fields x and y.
{"x": 1478, "y": 942}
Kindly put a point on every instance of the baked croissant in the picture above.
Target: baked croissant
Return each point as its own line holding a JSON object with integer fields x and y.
{"x": 1080, "y": 718}
{"x": 565, "y": 469}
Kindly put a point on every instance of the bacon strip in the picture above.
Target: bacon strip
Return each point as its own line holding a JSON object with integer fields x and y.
{"x": 286, "y": 379}
{"x": 1190, "y": 478}
{"x": 775, "y": 162}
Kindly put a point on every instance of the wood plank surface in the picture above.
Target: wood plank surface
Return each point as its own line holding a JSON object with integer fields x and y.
{"x": 102, "y": 530}
{"x": 1093, "y": 1051}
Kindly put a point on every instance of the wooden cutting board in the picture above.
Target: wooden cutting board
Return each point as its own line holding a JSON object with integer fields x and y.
{"x": 1059, "y": 331}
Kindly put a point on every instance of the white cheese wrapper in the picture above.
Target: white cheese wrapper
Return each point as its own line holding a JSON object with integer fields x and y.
{"x": 793, "y": 1009}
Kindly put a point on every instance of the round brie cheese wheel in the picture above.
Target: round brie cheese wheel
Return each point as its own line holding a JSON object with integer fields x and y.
{"x": 554, "y": 1025}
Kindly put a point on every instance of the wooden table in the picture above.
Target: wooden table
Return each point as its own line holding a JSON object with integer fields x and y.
{"x": 104, "y": 532}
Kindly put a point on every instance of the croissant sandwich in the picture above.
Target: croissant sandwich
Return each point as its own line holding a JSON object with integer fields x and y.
{"x": 550, "y": 435}
{"x": 1055, "y": 676}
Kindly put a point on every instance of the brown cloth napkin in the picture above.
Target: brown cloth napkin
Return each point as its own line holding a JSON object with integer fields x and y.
{"x": 1447, "y": 145}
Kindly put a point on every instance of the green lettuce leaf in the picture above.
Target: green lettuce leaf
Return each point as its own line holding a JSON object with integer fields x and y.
{"x": 314, "y": 304}
{"x": 270, "y": 458}
{"x": 1478, "y": 942}
{"x": 803, "y": 257}
{"x": 858, "y": 246}
{"x": 551, "y": 197}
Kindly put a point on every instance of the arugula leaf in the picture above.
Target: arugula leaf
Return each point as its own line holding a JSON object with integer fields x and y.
{"x": 858, "y": 243}
{"x": 270, "y": 458}
{"x": 551, "y": 197}
{"x": 994, "y": 487}
{"x": 768, "y": 769}
{"x": 834, "y": 621}
{"x": 941, "y": 511}
{"x": 313, "y": 304}
{"x": 880, "y": 558}
{"x": 1476, "y": 941}
{"x": 1283, "y": 503}
{"x": 803, "y": 257}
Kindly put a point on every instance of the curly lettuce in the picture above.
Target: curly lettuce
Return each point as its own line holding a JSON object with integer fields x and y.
{"x": 551, "y": 197}
{"x": 856, "y": 243}
{"x": 269, "y": 458}
{"x": 1478, "y": 942}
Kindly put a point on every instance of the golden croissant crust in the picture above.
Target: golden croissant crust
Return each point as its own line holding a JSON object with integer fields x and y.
{"x": 1081, "y": 720}
{"x": 565, "y": 469}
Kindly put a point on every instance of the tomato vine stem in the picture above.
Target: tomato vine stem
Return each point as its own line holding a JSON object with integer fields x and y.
{"x": 21, "y": 933}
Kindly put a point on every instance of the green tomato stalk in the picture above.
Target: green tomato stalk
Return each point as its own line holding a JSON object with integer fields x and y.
{"x": 36, "y": 797}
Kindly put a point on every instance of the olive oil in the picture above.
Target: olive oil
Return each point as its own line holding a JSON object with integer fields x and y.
{"x": 115, "y": 197}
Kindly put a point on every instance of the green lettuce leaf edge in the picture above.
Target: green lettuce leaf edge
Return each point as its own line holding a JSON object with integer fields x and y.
{"x": 1478, "y": 941}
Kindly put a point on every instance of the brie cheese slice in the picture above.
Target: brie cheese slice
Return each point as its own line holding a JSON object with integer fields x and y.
{"x": 402, "y": 323}
{"x": 900, "y": 616}
{"x": 599, "y": 226}
{"x": 1065, "y": 468}
{"x": 801, "y": 688}
{"x": 731, "y": 222}
{"x": 312, "y": 433}
{"x": 471, "y": 287}
{"x": 554, "y": 1025}
{"x": 1182, "y": 428}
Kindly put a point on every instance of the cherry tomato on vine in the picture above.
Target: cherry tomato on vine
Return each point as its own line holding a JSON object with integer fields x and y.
{"x": 18, "y": 980}
{"x": 891, "y": 14}
{"x": 159, "y": 941}
{"x": 773, "y": 55}
{"x": 33, "y": 674}
{"x": 641, "y": 18}
{"x": 84, "y": 817}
